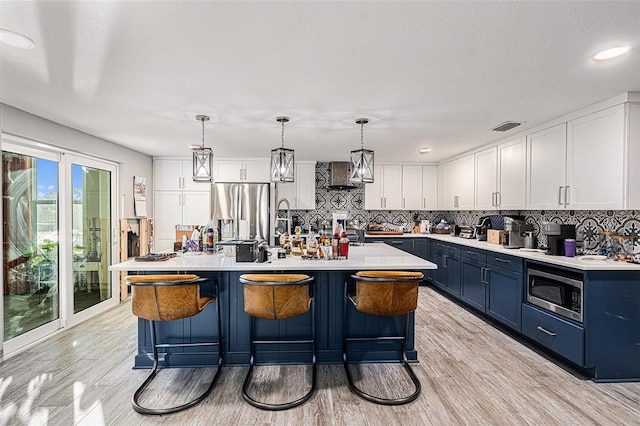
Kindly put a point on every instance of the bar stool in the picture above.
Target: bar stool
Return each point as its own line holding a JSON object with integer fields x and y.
{"x": 382, "y": 293}
{"x": 278, "y": 297}
{"x": 167, "y": 298}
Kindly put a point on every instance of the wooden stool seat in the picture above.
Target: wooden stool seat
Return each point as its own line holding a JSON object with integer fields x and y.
{"x": 383, "y": 293}
{"x": 278, "y": 297}
{"x": 168, "y": 298}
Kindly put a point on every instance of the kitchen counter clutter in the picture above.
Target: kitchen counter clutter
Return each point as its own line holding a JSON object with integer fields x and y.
{"x": 369, "y": 256}
{"x": 584, "y": 263}
{"x": 330, "y": 277}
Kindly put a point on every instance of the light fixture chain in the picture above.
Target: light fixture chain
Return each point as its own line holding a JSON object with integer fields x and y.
{"x": 202, "y": 132}
{"x": 282, "y": 135}
{"x": 362, "y": 135}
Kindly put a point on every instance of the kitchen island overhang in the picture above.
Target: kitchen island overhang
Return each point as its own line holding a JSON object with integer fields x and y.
{"x": 330, "y": 277}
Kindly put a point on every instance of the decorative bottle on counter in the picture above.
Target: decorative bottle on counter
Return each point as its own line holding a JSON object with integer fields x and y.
{"x": 344, "y": 245}
{"x": 335, "y": 245}
{"x": 210, "y": 232}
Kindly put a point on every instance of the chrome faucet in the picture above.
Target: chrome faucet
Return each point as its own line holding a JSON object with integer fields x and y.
{"x": 288, "y": 219}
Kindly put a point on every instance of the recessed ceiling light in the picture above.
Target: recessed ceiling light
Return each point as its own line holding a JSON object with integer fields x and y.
{"x": 612, "y": 53}
{"x": 16, "y": 39}
{"x": 424, "y": 150}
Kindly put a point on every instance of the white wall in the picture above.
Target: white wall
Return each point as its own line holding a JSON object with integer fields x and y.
{"x": 131, "y": 163}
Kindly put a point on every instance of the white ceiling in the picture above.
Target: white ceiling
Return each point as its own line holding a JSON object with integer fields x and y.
{"x": 427, "y": 74}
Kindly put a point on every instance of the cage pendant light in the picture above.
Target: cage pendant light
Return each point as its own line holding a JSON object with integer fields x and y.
{"x": 202, "y": 158}
{"x": 282, "y": 159}
{"x": 362, "y": 160}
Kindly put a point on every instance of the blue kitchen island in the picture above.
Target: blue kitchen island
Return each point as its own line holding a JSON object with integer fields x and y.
{"x": 330, "y": 277}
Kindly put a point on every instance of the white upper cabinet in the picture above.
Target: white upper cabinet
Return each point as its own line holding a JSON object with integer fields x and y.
{"x": 546, "y": 168}
{"x": 511, "y": 175}
{"x": 412, "y": 188}
{"x": 595, "y": 161}
{"x": 301, "y": 193}
{"x": 241, "y": 170}
{"x": 581, "y": 164}
{"x": 456, "y": 184}
{"x": 385, "y": 193}
{"x": 177, "y": 200}
{"x": 175, "y": 175}
{"x": 632, "y": 181}
{"x": 486, "y": 181}
{"x": 429, "y": 188}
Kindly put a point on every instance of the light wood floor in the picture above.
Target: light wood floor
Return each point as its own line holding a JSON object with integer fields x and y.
{"x": 471, "y": 373}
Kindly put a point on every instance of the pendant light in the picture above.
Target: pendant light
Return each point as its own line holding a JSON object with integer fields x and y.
{"x": 361, "y": 164}
{"x": 202, "y": 158}
{"x": 282, "y": 161}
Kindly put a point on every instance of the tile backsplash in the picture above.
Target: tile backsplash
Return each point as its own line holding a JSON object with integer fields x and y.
{"x": 588, "y": 222}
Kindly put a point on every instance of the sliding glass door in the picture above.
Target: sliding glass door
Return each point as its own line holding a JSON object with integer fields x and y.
{"x": 30, "y": 244}
{"x": 91, "y": 233}
{"x": 57, "y": 241}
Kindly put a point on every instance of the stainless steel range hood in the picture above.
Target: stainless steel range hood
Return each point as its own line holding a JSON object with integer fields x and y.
{"x": 339, "y": 176}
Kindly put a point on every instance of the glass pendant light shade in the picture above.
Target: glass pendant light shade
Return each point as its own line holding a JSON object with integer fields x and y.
{"x": 282, "y": 165}
{"x": 361, "y": 165}
{"x": 202, "y": 158}
{"x": 202, "y": 165}
{"x": 282, "y": 160}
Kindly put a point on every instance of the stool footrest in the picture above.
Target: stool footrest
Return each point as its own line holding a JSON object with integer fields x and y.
{"x": 284, "y": 342}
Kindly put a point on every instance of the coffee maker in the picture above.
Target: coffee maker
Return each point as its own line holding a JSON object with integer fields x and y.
{"x": 556, "y": 233}
{"x": 484, "y": 224}
{"x": 514, "y": 232}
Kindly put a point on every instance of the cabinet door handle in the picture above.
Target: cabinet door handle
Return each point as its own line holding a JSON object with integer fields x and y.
{"x": 403, "y": 202}
{"x": 566, "y": 195}
{"x": 455, "y": 201}
{"x": 550, "y": 333}
{"x": 472, "y": 253}
{"x": 444, "y": 260}
{"x": 424, "y": 203}
{"x": 493, "y": 199}
{"x": 560, "y": 196}
{"x": 385, "y": 202}
{"x": 396, "y": 242}
{"x": 502, "y": 260}
{"x": 498, "y": 199}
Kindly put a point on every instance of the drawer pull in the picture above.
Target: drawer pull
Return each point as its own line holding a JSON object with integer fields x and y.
{"x": 472, "y": 253}
{"x": 502, "y": 260}
{"x": 550, "y": 333}
{"x": 396, "y": 242}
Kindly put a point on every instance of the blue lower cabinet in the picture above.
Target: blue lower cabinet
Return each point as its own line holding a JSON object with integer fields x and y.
{"x": 420, "y": 248}
{"x": 561, "y": 336}
{"x": 490, "y": 289}
{"x": 472, "y": 286}
{"x": 416, "y": 246}
{"x": 505, "y": 293}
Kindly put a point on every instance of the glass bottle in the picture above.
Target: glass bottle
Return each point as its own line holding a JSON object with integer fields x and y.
{"x": 344, "y": 245}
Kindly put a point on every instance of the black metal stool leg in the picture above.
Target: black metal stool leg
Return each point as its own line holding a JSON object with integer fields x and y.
{"x": 404, "y": 361}
{"x": 155, "y": 370}
{"x": 247, "y": 380}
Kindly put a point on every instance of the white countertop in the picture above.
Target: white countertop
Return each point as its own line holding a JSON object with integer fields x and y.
{"x": 570, "y": 262}
{"x": 405, "y": 235}
{"x": 376, "y": 256}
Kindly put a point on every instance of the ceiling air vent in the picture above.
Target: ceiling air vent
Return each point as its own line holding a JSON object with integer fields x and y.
{"x": 507, "y": 125}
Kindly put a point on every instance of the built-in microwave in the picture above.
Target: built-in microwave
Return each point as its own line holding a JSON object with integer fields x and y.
{"x": 556, "y": 290}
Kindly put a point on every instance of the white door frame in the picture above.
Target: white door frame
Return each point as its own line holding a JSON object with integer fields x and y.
{"x": 66, "y": 318}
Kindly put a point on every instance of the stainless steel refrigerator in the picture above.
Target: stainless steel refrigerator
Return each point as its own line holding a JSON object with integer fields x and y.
{"x": 234, "y": 203}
